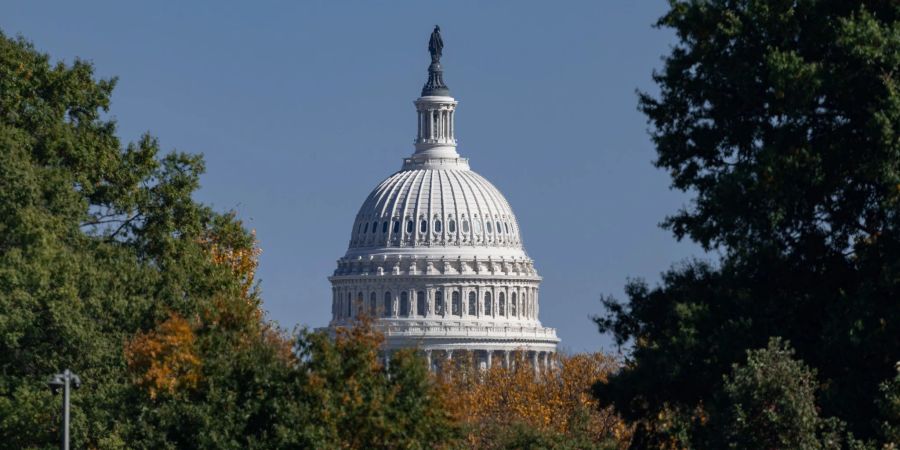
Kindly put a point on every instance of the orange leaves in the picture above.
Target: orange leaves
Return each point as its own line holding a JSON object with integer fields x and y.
{"x": 554, "y": 401}
{"x": 243, "y": 261}
{"x": 165, "y": 359}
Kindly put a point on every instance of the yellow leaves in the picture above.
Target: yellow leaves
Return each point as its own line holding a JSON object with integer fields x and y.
{"x": 556, "y": 400}
{"x": 243, "y": 262}
{"x": 165, "y": 359}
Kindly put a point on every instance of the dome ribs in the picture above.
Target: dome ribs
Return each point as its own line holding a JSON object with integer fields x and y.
{"x": 418, "y": 206}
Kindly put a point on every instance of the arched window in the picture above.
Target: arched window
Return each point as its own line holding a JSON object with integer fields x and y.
{"x": 384, "y": 227}
{"x": 396, "y": 226}
{"x": 366, "y": 229}
{"x": 487, "y": 303}
{"x": 499, "y": 230}
{"x": 489, "y": 227}
{"x": 409, "y": 226}
{"x": 359, "y": 228}
{"x": 439, "y": 302}
{"x": 455, "y": 304}
{"x": 451, "y": 226}
{"x": 506, "y": 225}
{"x": 437, "y": 226}
{"x": 420, "y": 303}
{"x": 473, "y": 304}
{"x": 374, "y": 227}
{"x": 512, "y": 305}
{"x": 423, "y": 226}
{"x": 360, "y": 304}
{"x": 373, "y": 304}
{"x": 465, "y": 226}
{"x": 404, "y": 304}
{"x": 349, "y": 304}
{"x": 501, "y": 306}
{"x": 388, "y": 310}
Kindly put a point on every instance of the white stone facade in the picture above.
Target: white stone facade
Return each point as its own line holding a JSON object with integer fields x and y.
{"x": 436, "y": 257}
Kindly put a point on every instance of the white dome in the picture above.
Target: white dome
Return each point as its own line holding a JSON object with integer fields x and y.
{"x": 436, "y": 255}
{"x": 436, "y": 207}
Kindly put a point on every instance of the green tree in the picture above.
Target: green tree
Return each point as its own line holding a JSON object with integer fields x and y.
{"x": 889, "y": 405}
{"x": 110, "y": 268}
{"x": 781, "y": 118}
{"x": 99, "y": 243}
{"x": 349, "y": 399}
{"x": 769, "y": 403}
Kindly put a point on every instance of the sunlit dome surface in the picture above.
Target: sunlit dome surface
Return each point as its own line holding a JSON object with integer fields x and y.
{"x": 436, "y": 208}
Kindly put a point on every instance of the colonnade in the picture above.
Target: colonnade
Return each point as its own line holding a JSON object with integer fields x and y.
{"x": 437, "y": 359}
{"x": 449, "y": 301}
{"x": 436, "y": 125}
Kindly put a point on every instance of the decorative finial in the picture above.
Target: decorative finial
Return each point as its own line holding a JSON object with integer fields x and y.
{"x": 435, "y": 85}
{"x": 436, "y": 45}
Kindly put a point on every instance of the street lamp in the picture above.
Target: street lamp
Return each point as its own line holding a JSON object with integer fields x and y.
{"x": 62, "y": 381}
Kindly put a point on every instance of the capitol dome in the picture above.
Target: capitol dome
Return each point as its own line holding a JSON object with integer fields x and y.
{"x": 442, "y": 207}
{"x": 436, "y": 255}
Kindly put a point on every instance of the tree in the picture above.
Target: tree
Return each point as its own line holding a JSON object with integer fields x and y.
{"x": 781, "y": 119}
{"x": 349, "y": 399}
{"x": 110, "y": 268}
{"x": 513, "y": 407}
{"x": 769, "y": 403}
{"x": 102, "y": 245}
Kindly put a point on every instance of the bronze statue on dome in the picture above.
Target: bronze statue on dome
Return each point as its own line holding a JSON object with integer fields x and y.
{"x": 436, "y": 44}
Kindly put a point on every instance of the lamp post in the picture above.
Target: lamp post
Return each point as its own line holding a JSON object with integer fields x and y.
{"x": 63, "y": 381}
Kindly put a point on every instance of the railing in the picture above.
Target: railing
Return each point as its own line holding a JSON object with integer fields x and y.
{"x": 414, "y": 329}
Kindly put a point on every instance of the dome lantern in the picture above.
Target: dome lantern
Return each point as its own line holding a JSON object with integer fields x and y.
{"x": 435, "y": 110}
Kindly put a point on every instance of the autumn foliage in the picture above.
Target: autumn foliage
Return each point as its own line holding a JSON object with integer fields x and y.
{"x": 554, "y": 402}
{"x": 165, "y": 359}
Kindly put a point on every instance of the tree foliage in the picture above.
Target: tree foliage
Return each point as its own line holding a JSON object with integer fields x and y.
{"x": 110, "y": 268}
{"x": 781, "y": 118}
{"x": 769, "y": 402}
{"x": 515, "y": 407}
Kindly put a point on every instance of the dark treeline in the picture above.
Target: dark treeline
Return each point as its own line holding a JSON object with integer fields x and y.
{"x": 782, "y": 120}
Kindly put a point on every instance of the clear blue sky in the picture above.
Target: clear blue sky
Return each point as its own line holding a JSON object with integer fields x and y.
{"x": 301, "y": 108}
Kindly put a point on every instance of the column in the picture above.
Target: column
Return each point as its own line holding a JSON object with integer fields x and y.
{"x": 479, "y": 308}
{"x": 534, "y": 362}
{"x": 546, "y": 360}
{"x": 506, "y": 360}
{"x": 428, "y": 359}
{"x": 494, "y": 302}
{"x": 431, "y": 124}
{"x": 395, "y": 301}
{"x": 489, "y": 354}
